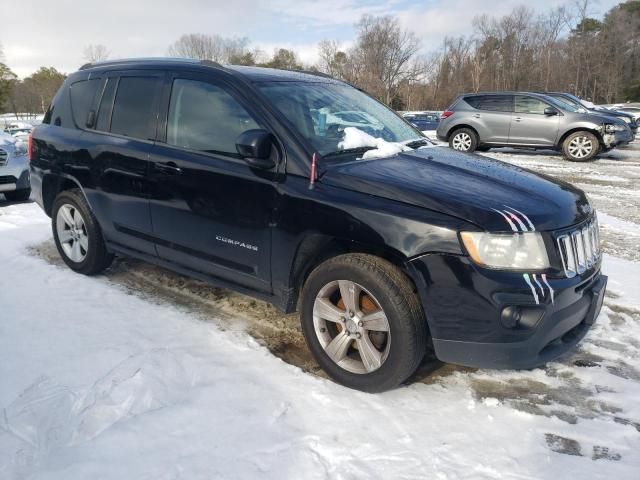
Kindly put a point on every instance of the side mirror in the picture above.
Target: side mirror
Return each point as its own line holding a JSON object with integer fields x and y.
{"x": 550, "y": 111}
{"x": 255, "y": 147}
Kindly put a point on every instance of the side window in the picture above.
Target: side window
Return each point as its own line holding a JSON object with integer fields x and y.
{"x": 134, "y": 107}
{"x": 205, "y": 117}
{"x": 526, "y": 104}
{"x": 497, "y": 103}
{"x": 82, "y": 96}
{"x": 106, "y": 103}
{"x": 491, "y": 103}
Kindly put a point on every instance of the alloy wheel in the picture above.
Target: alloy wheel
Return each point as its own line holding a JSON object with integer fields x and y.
{"x": 72, "y": 233}
{"x": 351, "y": 326}
{"x": 580, "y": 147}
{"x": 461, "y": 141}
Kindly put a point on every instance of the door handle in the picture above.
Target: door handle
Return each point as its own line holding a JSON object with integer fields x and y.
{"x": 168, "y": 167}
{"x": 518, "y": 119}
{"x": 476, "y": 115}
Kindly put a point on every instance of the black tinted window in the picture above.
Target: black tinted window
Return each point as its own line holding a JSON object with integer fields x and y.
{"x": 494, "y": 103}
{"x": 526, "y": 104}
{"x": 104, "y": 111}
{"x": 134, "y": 108}
{"x": 204, "y": 117}
{"x": 82, "y": 95}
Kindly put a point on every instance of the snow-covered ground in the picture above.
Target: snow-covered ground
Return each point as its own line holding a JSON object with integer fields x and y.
{"x": 143, "y": 374}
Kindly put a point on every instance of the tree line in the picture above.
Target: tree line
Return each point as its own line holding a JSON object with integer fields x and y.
{"x": 562, "y": 49}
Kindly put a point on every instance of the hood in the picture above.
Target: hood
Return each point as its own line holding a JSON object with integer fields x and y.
{"x": 6, "y": 139}
{"x": 600, "y": 116}
{"x": 493, "y": 195}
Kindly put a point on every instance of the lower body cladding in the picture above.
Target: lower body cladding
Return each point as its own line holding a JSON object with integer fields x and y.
{"x": 496, "y": 319}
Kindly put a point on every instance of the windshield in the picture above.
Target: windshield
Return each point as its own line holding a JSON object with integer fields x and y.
{"x": 566, "y": 104}
{"x": 322, "y": 111}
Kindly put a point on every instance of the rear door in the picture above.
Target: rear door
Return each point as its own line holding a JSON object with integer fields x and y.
{"x": 119, "y": 144}
{"x": 210, "y": 211}
{"x": 491, "y": 117}
{"x": 530, "y": 126}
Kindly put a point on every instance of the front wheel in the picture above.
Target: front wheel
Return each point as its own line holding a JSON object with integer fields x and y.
{"x": 363, "y": 322}
{"x": 580, "y": 146}
{"x": 464, "y": 140}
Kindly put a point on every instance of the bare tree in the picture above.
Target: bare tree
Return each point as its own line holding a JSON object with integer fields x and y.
{"x": 209, "y": 47}
{"x": 96, "y": 53}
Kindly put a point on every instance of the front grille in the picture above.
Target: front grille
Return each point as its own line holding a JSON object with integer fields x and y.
{"x": 580, "y": 248}
{"x": 4, "y": 157}
{"x": 8, "y": 179}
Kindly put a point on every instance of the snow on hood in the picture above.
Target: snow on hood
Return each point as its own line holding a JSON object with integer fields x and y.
{"x": 356, "y": 138}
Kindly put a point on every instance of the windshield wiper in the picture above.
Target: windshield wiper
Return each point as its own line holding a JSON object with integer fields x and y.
{"x": 347, "y": 151}
{"x": 418, "y": 142}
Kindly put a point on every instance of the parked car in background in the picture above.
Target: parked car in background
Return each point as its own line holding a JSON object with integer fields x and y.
{"x": 220, "y": 173}
{"x": 19, "y": 130}
{"x": 14, "y": 168}
{"x": 423, "y": 121}
{"x": 480, "y": 121}
{"x": 635, "y": 111}
{"x": 590, "y": 107}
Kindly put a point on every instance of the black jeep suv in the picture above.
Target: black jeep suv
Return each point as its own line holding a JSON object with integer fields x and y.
{"x": 250, "y": 178}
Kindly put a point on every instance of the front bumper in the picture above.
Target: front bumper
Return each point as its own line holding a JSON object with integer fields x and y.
{"x": 465, "y": 308}
{"x": 618, "y": 138}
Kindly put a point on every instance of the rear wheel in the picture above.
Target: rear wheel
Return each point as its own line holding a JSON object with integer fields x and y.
{"x": 580, "y": 146}
{"x": 77, "y": 234}
{"x": 18, "y": 195}
{"x": 464, "y": 140}
{"x": 362, "y": 322}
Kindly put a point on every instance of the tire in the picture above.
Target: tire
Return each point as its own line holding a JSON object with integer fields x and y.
{"x": 580, "y": 146}
{"x": 18, "y": 195}
{"x": 464, "y": 140}
{"x": 398, "y": 345}
{"x": 71, "y": 208}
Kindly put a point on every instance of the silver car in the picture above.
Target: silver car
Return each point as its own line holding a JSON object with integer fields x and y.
{"x": 481, "y": 121}
{"x": 14, "y": 169}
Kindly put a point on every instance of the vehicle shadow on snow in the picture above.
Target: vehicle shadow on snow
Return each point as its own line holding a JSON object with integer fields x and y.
{"x": 6, "y": 203}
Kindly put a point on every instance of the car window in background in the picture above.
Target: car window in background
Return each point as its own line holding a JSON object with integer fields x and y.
{"x": 205, "y": 117}
{"x": 106, "y": 104}
{"x": 314, "y": 109}
{"x": 82, "y": 96}
{"x": 492, "y": 103}
{"x": 134, "y": 107}
{"x": 525, "y": 104}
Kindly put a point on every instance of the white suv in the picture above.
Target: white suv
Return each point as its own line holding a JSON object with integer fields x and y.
{"x": 14, "y": 169}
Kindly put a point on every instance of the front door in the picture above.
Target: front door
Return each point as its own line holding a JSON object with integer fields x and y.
{"x": 529, "y": 124}
{"x": 210, "y": 211}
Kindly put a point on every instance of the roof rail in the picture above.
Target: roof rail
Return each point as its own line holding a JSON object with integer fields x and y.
{"x": 147, "y": 59}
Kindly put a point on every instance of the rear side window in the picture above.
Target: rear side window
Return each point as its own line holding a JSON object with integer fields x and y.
{"x": 204, "y": 117}
{"x": 526, "y": 104}
{"x": 134, "y": 109}
{"x": 106, "y": 103}
{"x": 82, "y": 96}
{"x": 493, "y": 103}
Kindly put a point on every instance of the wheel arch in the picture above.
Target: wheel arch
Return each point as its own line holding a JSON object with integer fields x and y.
{"x": 317, "y": 248}
{"x": 591, "y": 130}
{"x": 460, "y": 126}
{"x": 53, "y": 185}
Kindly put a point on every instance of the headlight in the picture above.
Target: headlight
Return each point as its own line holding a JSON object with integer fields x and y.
{"x": 625, "y": 119}
{"x": 511, "y": 251}
{"x": 610, "y": 128}
{"x": 20, "y": 148}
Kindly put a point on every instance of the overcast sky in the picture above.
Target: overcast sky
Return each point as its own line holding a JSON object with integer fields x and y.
{"x": 54, "y": 33}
